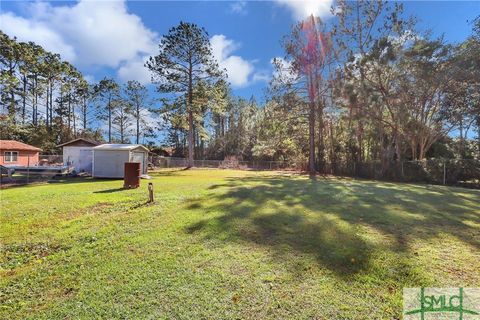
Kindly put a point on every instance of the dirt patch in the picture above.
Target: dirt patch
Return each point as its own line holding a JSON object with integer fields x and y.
{"x": 97, "y": 208}
{"x": 18, "y": 254}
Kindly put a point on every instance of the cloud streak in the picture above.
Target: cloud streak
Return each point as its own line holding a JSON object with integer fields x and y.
{"x": 239, "y": 7}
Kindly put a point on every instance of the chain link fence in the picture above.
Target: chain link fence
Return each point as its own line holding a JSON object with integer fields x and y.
{"x": 465, "y": 172}
{"x": 17, "y": 169}
{"x": 457, "y": 172}
{"x": 170, "y": 162}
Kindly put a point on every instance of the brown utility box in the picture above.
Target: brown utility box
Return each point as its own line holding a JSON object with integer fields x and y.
{"x": 131, "y": 175}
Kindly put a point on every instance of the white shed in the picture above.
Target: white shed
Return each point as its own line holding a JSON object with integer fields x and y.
{"x": 78, "y": 154}
{"x": 109, "y": 159}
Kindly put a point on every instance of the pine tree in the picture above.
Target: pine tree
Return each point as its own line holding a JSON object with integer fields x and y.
{"x": 185, "y": 58}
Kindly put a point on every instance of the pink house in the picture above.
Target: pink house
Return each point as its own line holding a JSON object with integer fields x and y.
{"x": 16, "y": 153}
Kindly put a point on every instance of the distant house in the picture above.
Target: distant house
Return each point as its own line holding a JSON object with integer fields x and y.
{"x": 109, "y": 159}
{"x": 17, "y": 153}
{"x": 78, "y": 154}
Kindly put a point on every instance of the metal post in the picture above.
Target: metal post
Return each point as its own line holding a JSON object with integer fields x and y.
{"x": 444, "y": 173}
{"x": 28, "y": 169}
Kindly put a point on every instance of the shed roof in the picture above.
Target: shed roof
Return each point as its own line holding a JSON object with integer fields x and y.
{"x": 86, "y": 141}
{"x": 16, "y": 145}
{"x": 119, "y": 147}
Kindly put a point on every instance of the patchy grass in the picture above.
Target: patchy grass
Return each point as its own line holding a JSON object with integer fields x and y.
{"x": 222, "y": 244}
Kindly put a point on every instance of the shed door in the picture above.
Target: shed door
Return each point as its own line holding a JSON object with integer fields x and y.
{"x": 139, "y": 157}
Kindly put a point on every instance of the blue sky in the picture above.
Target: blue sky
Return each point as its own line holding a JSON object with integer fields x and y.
{"x": 113, "y": 38}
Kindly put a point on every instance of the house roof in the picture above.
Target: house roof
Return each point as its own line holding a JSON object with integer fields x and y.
{"x": 87, "y": 141}
{"x": 119, "y": 146}
{"x": 16, "y": 145}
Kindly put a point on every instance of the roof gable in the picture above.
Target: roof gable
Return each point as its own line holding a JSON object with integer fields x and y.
{"x": 16, "y": 145}
{"x": 80, "y": 142}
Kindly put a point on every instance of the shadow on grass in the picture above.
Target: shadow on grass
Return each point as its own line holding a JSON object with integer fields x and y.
{"x": 168, "y": 172}
{"x": 72, "y": 180}
{"x": 322, "y": 217}
{"x": 111, "y": 190}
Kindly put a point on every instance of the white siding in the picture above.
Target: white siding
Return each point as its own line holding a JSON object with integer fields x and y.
{"x": 141, "y": 158}
{"x": 109, "y": 163}
{"x": 78, "y": 157}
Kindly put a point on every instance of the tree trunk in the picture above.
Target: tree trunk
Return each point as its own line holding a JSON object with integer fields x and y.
{"x": 59, "y": 111}
{"x": 51, "y": 104}
{"x": 311, "y": 136}
{"x": 74, "y": 123}
{"x": 477, "y": 118}
{"x": 35, "y": 101}
{"x": 360, "y": 110}
{"x": 190, "y": 139}
{"x": 84, "y": 113}
{"x": 121, "y": 131}
{"x": 24, "y": 98}
{"x": 333, "y": 142}
{"x": 11, "y": 109}
{"x": 201, "y": 145}
{"x": 138, "y": 123}
{"x": 190, "y": 118}
{"x": 109, "y": 122}
{"x": 462, "y": 141}
{"x": 421, "y": 152}
{"x": 320, "y": 144}
{"x": 47, "y": 106}
{"x": 69, "y": 115}
{"x": 223, "y": 126}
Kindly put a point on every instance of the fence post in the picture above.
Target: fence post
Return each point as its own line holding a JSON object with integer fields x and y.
{"x": 444, "y": 172}
{"x": 28, "y": 169}
{"x": 150, "y": 193}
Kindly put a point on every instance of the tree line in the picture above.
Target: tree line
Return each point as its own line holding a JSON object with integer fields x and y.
{"x": 47, "y": 101}
{"x": 366, "y": 86}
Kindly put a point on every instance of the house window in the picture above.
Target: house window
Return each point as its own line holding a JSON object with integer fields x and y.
{"x": 11, "y": 156}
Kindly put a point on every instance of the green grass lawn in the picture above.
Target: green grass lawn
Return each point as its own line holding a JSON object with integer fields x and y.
{"x": 224, "y": 244}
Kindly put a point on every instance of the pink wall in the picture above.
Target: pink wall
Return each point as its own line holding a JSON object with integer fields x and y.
{"x": 22, "y": 159}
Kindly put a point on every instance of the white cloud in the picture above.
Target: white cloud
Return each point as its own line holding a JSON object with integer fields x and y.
{"x": 261, "y": 76}
{"x": 238, "y": 69}
{"x": 88, "y": 33}
{"x": 135, "y": 70}
{"x": 239, "y": 7}
{"x": 302, "y": 9}
{"x": 38, "y": 32}
{"x": 150, "y": 119}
